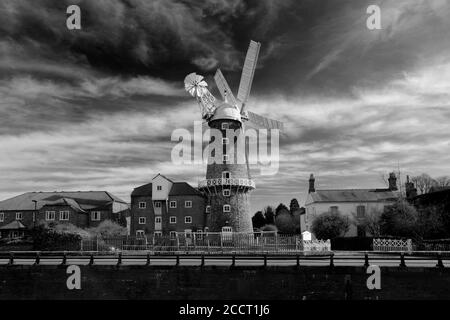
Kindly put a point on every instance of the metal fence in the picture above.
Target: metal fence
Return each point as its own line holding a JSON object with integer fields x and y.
{"x": 392, "y": 245}
{"x": 210, "y": 242}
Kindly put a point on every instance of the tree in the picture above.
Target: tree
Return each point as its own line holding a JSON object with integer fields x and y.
{"x": 443, "y": 182}
{"x": 258, "y": 220}
{"x": 280, "y": 207}
{"x": 296, "y": 215}
{"x": 329, "y": 225}
{"x": 370, "y": 222}
{"x": 423, "y": 183}
{"x": 269, "y": 215}
{"x": 399, "y": 220}
{"x": 107, "y": 229}
{"x": 284, "y": 221}
{"x": 293, "y": 205}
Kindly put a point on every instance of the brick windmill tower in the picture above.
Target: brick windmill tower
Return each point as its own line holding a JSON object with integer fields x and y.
{"x": 228, "y": 182}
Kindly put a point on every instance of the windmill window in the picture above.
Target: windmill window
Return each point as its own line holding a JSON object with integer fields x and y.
{"x": 227, "y": 208}
{"x": 225, "y": 141}
{"x": 225, "y": 158}
{"x": 226, "y": 192}
{"x": 225, "y": 125}
{"x": 225, "y": 175}
{"x": 208, "y": 209}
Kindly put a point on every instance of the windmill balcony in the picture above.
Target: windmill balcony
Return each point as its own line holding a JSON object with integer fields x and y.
{"x": 246, "y": 183}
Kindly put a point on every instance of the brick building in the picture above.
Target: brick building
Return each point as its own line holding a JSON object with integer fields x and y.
{"x": 82, "y": 209}
{"x": 164, "y": 207}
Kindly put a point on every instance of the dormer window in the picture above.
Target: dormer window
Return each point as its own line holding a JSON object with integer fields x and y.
{"x": 159, "y": 188}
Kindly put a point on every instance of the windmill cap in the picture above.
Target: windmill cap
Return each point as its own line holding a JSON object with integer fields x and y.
{"x": 226, "y": 111}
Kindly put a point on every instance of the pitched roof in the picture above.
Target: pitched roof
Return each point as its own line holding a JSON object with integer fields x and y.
{"x": 15, "y": 225}
{"x": 353, "y": 195}
{"x": 86, "y": 199}
{"x": 183, "y": 189}
{"x": 145, "y": 190}
{"x": 178, "y": 189}
{"x": 66, "y": 202}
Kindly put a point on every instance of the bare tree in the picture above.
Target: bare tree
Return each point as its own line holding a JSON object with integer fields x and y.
{"x": 423, "y": 183}
{"x": 370, "y": 221}
{"x": 443, "y": 182}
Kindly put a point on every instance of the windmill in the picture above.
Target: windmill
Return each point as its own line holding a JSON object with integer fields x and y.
{"x": 228, "y": 183}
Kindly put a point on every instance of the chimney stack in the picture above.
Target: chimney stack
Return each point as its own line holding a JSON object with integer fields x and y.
{"x": 311, "y": 183}
{"x": 392, "y": 182}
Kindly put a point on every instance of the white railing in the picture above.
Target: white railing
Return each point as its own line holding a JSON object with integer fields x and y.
{"x": 392, "y": 245}
{"x": 226, "y": 182}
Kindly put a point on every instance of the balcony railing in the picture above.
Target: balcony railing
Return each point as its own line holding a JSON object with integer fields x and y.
{"x": 227, "y": 182}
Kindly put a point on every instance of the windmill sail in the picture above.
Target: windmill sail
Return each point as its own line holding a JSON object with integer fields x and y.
{"x": 248, "y": 72}
{"x": 224, "y": 88}
{"x": 263, "y": 122}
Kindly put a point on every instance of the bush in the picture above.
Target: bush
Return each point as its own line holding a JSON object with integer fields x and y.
{"x": 285, "y": 222}
{"x": 330, "y": 225}
{"x": 108, "y": 229}
{"x": 47, "y": 239}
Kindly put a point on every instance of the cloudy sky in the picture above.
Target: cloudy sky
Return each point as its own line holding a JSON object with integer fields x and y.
{"x": 94, "y": 109}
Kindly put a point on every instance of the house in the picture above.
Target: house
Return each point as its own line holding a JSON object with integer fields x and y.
{"x": 354, "y": 204}
{"x": 81, "y": 208}
{"x": 164, "y": 207}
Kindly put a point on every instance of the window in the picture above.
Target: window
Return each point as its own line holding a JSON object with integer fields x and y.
{"x": 227, "y": 208}
{"x": 173, "y": 204}
{"x": 142, "y": 205}
{"x": 64, "y": 215}
{"x": 199, "y": 235}
{"x": 360, "y": 212}
{"x": 334, "y": 209}
{"x": 158, "y": 204}
{"x": 225, "y": 125}
{"x": 173, "y": 220}
{"x": 158, "y": 220}
{"x": 159, "y": 188}
{"x": 225, "y": 141}
{"x": 49, "y": 215}
{"x": 225, "y": 175}
{"x": 206, "y": 229}
{"x": 208, "y": 209}
{"x": 140, "y": 233}
{"x": 95, "y": 215}
{"x": 225, "y": 157}
{"x": 188, "y": 204}
{"x": 2, "y": 217}
{"x": 173, "y": 234}
{"x": 142, "y": 220}
{"x": 226, "y": 192}
{"x": 158, "y": 234}
{"x": 188, "y": 219}
{"x": 18, "y": 215}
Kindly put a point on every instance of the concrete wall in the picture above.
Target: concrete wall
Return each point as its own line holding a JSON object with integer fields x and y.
{"x": 172, "y": 283}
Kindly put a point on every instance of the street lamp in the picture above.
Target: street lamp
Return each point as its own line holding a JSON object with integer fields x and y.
{"x": 34, "y": 213}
